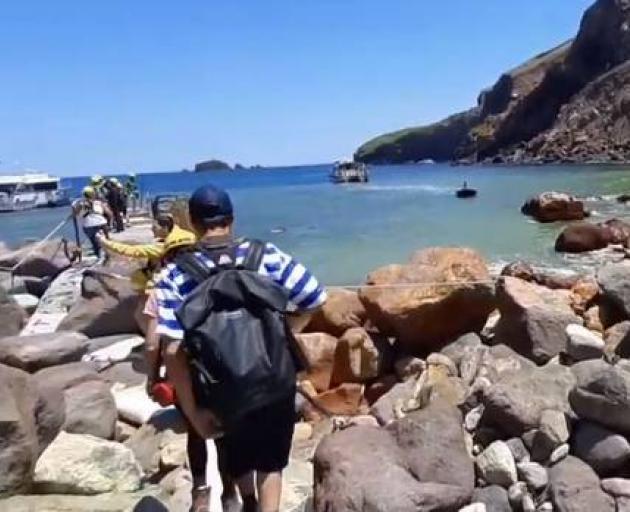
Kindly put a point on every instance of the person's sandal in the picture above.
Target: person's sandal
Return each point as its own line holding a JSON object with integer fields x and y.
{"x": 200, "y": 499}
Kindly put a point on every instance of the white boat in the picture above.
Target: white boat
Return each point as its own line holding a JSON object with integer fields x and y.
{"x": 349, "y": 171}
{"x": 28, "y": 191}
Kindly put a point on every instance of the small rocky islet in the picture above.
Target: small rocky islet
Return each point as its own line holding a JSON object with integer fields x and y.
{"x": 450, "y": 389}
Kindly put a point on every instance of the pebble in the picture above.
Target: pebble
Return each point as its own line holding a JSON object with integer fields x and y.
{"x": 474, "y": 507}
{"x": 558, "y": 454}
{"x": 472, "y": 419}
{"x": 518, "y": 449}
{"x": 516, "y": 493}
{"x": 496, "y": 464}
{"x": 554, "y": 426}
{"x": 533, "y": 474}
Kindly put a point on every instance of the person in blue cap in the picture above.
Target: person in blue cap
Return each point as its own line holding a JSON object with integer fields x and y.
{"x": 257, "y": 449}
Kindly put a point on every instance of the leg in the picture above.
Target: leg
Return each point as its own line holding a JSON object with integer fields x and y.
{"x": 247, "y": 488}
{"x": 178, "y": 370}
{"x": 90, "y": 233}
{"x": 269, "y": 490}
{"x": 197, "y": 461}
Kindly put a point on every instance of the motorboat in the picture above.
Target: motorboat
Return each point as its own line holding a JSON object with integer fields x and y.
{"x": 466, "y": 192}
{"x": 349, "y": 171}
{"x": 29, "y": 191}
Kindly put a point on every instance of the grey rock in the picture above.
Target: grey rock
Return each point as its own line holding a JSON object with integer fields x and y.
{"x": 437, "y": 359}
{"x": 474, "y": 507}
{"x": 433, "y": 441}
{"x": 518, "y": 449}
{"x": 528, "y": 505}
{"x": 617, "y": 339}
{"x": 30, "y": 418}
{"x": 66, "y": 376}
{"x": 603, "y": 450}
{"x": 533, "y": 319}
{"x": 533, "y": 474}
{"x": 500, "y": 360}
{"x": 602, "y": 394}
{"x": 32, "y": 353}
{"x": 471, "y": 421}
{"x": 462, "y": 348}
{"x": 496, "y": 465}
{"x": 90, "y": 409}
{"x": 516, "y": 402}
{"x": 614, "y": 280}
{"x": 12, "y": 316}
{"x": 583, "y": 344}
{"x": 576, "y": 488}
{"x": 345, "y": 480}
{"x": 559, "y": 454}
{"x": 384, "y": 409}
{"x": 552, "y": 432}
{"x": 408, "y": 367}
{"x": 494, "y": 497}
{"x": 515, "y": 494}
{"x": 547, "y": 506}
{"x": 617, "y": 487}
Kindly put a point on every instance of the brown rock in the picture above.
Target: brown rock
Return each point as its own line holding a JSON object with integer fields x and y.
{"x": 319, "y": 350}
{"x": 342, "y": 311}
{"x": 360, "y": 357}
{"x": 47, "y": 260}
{"x": 583, "y": 237}
{"x": 583, "y": 294}
{"x": 554, "y": 206}
{"x": 593, "y": 320}
{"x": 533, "y": 319}
{"x": 32, "y": 353}
{"x": 617, "y": 336}
{"x": 345, "y": 400}
{"x": 520, "y": 269}
{"x": 421, "y": 317}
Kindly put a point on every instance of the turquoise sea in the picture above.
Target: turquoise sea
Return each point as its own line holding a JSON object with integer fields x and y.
{"x": 344, "y": 231}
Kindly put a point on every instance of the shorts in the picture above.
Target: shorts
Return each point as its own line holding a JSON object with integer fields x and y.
{"x": 151, "y": 305}
{"x": 260, "y": 442}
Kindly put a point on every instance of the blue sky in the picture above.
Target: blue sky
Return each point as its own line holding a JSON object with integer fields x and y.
{"x": 156, "y": 85}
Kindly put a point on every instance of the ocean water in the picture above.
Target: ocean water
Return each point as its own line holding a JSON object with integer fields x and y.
{"x": 344, "y": 231}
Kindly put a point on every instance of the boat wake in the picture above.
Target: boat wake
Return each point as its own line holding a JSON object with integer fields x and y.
{"x": 428, "y": 189}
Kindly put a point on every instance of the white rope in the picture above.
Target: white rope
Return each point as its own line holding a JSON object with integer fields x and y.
{"x": 409, "y": 285}
{"x": 40, "y": 243}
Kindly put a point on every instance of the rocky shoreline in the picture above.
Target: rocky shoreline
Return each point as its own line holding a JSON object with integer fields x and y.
{"x": 466, "y": 390}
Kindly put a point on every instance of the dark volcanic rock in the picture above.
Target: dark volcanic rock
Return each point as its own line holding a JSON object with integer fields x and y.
{"x": 576, "y": 488}
{"x": 603, "y": 450}
{"x": 346, "y": 480}
{"x": 602, "y": 394}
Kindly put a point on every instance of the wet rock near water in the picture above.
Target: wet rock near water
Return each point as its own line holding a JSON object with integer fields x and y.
{"x": 554, "y": 206}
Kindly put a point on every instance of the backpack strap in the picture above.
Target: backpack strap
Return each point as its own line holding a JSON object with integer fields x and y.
{"x": 254, "y": 255}
{"x": 191, "y": 265}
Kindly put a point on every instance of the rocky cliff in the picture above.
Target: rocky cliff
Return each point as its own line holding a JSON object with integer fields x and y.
{"x": 565, "y": 105}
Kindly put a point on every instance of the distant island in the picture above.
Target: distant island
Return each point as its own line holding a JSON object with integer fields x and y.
{"x": 212, "y": 165}
{"x": 568, "y": 105}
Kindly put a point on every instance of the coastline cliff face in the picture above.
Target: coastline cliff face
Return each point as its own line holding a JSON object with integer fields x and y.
{"x": 566, "y": 105}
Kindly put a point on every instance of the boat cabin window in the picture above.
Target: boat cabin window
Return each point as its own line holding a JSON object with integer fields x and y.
{"x": 7, "y": 188}
{"x": 42, "y": 187}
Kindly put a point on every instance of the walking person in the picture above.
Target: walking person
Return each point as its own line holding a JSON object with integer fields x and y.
{"x": 113, "y": 192}
{"x": 95, "y": 216}
{"x": 228, "y": 297}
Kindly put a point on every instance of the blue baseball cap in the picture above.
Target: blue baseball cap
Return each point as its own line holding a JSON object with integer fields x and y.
{"x": 210, "y": 204}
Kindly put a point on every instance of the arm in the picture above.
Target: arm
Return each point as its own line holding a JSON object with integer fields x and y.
{"x": 149, "y": 251}
{"x": 306, "y": 295}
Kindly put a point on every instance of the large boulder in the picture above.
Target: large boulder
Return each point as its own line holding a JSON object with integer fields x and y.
{"x": 418, "y": 307}
{"x": 602, "y": 394}
{"x": 360, "y": 357}
{"x": 160, "y": 444}
{"x": 45, "y": 260}
{"x": 341, "y": 311}
{"x": 617, "y": 339}
{"x": 346, "y": 480}
{"x": 83, "y": 464}
{"x": 533, "y": 319}
{"x": 106, "y": 306}
{"x": 614, "y": 281}
{"x": 554, "y": 206}
{"x": 90, "y": 409}
{"x": 583, "y": 237}
{"x": 576, "y": 488}
{"x": 66, "y": 376}
{"x": 12, "y": 316}
{"x": 37, "y": 351}
{"x": 603, "y": 450}
{"x": 516, "y": 402}
{"x": 319, "y": 351}
{"x": 433, "y": 441}
{"x": 30, "y": 418}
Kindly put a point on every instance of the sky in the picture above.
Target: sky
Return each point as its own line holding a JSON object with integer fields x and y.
{"x": 155, "y": 85}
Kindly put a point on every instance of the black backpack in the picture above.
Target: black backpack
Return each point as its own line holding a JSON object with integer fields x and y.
{"x": 236, "y": 334}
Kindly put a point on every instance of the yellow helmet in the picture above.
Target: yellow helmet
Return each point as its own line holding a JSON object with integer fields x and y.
{"x": 97, "y": 179}
{"x": 89, "y": 191}
{"x": 178, "y": 238}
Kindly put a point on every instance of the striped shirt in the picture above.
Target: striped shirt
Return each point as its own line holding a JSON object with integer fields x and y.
{"x": 304, "y": 292}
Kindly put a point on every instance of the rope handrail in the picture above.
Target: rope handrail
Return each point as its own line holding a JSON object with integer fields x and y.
{"x": 40, "y": 243}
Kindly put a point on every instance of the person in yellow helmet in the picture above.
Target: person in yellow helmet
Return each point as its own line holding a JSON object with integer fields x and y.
{"x": 94, "y": 215}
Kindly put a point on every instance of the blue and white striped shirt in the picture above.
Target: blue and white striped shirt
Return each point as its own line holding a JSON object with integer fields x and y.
{"x": 305, "y": 293}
